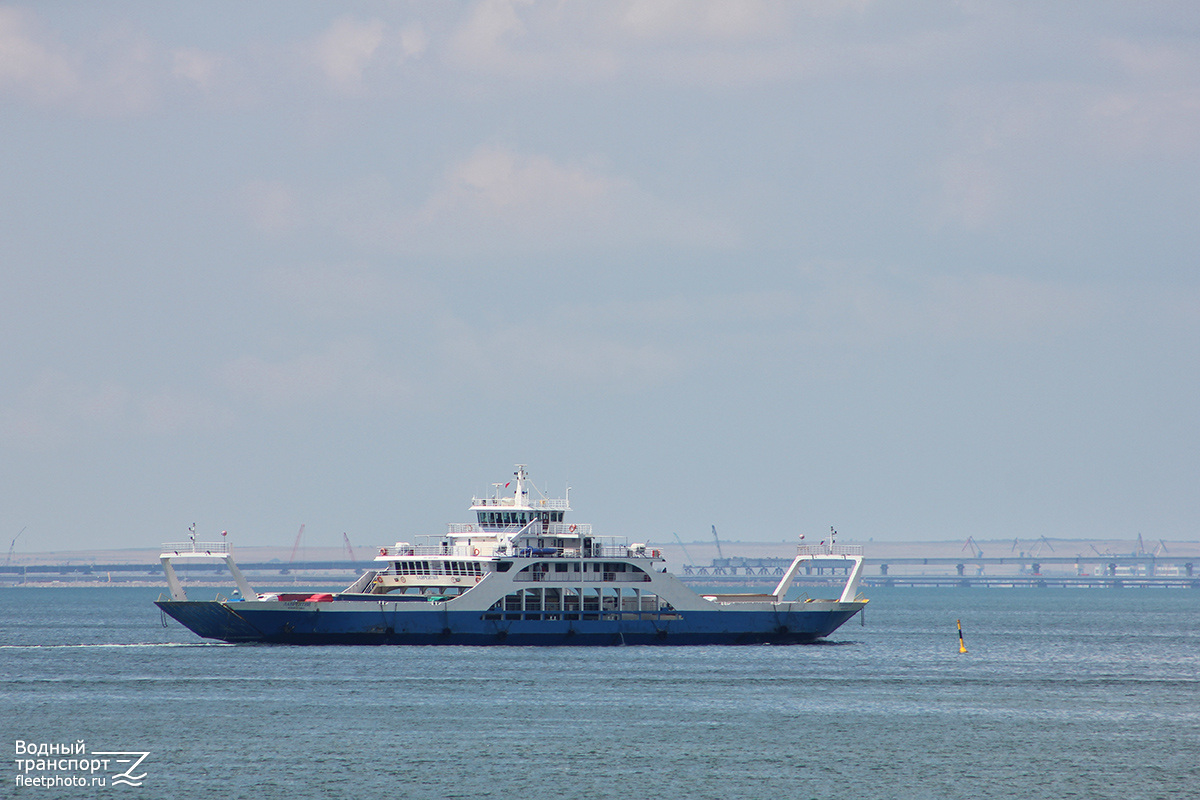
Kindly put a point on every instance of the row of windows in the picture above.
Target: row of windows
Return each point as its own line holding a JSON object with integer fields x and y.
{"x": 587, "y": 566}
{"x": 571, "y": 571}
{"x": 521, "y": 518}
{"x": 438, "y": 567}
{"x": 623, "y": 600}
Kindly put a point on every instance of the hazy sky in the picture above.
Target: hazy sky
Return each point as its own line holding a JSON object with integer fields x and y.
{"x": 916, "y": 270}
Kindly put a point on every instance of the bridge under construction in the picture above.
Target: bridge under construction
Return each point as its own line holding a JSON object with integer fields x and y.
{"x": 893, "y": 564}
{"x": 1098, "y": 570}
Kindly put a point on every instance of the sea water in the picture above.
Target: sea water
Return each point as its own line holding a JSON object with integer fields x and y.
{"x": 1063, "y": 694}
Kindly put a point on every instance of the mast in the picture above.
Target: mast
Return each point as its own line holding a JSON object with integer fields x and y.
{"x": 521, "y": 474}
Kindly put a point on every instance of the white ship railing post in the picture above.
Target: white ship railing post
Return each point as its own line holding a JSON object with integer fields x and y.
{"x": 202, "y": 550}
{"x": 177, "y": 592}
{"x": 792, "y": 569}
{"x": 243, "y": 585}
{"x": 851, "y": 590}
{"x": 825, "y": 552}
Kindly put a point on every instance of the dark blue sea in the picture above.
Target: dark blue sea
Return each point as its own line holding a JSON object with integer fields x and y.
{"x": 1063, "y": 694}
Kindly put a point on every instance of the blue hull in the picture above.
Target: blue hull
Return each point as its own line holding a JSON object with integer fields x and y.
{"x": 237, "y": 622}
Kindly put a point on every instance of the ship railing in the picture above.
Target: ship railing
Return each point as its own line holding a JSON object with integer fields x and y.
{"x": 197, "y": 548}
{"x": 595, "y": 551}
{"x": 487, "y": 530}
{"x": 829, "y": 550}
{"x": 193, "y": 550}
{"x": 520, "y": 551}
{"x": 569, "y": 529}
{"x": 507, "y": 502}
{"x": 849, "y": 553}
{"x": 559, "y": 529}
{"x": 412, "y": 550}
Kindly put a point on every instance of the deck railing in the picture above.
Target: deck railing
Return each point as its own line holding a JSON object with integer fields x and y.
{"x": 829, "y": 550}
{"x": 569, "y": 529}
{"x": 559, "y": 529}
{"x": 507, "y": 502}
{"x": 463, "y": 551}
{"x": 198, "y": 548}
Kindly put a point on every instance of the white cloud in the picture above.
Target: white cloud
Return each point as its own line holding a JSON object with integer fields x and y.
{"x": 531, "y": 191}
{"x": 482, "y": 41}
{"x": 413, "y": 40}
{"x": 495, "y": 200}
{"x": 200, "y": 68}
{"x": 721, "y": 43}
{"x": 346, "y": 49}
{"x": 116, "y": 72}
{"x": 531, "y": 201}
{"x": 354, "y": 55}
{"x": 344, "y": 374}
{"x": 529, "y": 198}
{"x": 55, "y": 409}
{"x": 712, "y": 20}
{"x": 1133, "y": 123}
{"x": 30, "y": 66}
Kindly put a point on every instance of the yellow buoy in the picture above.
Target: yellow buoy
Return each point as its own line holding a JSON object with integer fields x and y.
{"x": 962, "y": 648}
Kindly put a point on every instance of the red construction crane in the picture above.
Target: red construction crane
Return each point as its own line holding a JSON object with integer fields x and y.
{"x": 296, "y": 546}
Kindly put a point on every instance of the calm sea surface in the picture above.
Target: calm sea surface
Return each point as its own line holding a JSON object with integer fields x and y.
{"x": 1064, "y": 694}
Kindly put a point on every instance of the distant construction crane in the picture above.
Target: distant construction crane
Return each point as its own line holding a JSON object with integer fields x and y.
{"x": 976, "y": 550}
{"x": 349, "y": 549}
{"x": 11, "y": 547}
{"x": 718, "y": 541}
{"x": 296, "y": 546}
{"x": 1037, "y": 546}
{"x": 685, "y": 552}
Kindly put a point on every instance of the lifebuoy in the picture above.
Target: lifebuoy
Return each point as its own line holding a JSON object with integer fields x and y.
{"x": 383, "y": 551}
{"x": 475, "y": 551}
{"x": 478, "y": 578}
{"x": 470, "y": 528}
{"x": 572, "y": 528}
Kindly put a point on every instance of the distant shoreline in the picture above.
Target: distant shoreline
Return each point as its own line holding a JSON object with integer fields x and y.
{"x": 688, "y": 552}
{"x": 979, "y": 563}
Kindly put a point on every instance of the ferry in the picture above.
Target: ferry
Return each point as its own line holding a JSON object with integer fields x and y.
{"x": 519, "y": 573}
